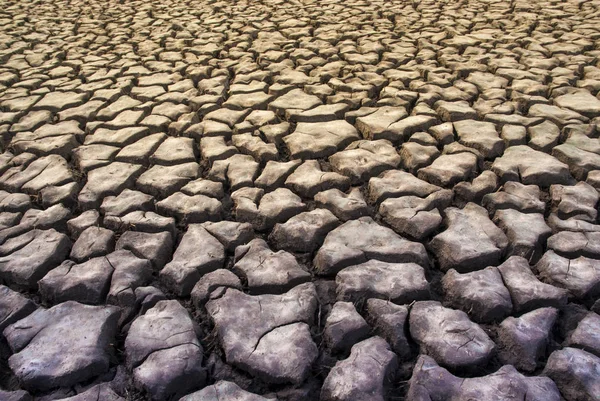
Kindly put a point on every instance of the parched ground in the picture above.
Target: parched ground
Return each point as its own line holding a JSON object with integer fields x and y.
{"x": 299, "y": 200}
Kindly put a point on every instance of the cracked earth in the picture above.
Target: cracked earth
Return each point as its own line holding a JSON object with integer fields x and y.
{"x": 299, "y": 200}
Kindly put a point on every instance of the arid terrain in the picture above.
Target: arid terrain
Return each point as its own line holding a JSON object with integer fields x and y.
{"x": 299, "y": 200}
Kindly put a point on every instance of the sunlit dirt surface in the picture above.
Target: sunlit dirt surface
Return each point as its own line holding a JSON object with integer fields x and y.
{"x": 299, "y": 200}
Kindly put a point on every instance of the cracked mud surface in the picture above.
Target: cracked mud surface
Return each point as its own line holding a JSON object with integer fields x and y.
{"x": 304, "y": 200}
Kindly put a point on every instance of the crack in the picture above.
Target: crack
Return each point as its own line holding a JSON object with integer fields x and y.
{"x": 32, "y": 337}
{"x": 178, "y": 333}
{"x": 261, "y": 262}
{"x": 376, "y": 361}
{"x": 414, "y": 214}
{"x": 271, "y": 330}
{"x": 21, "y": 246}
{"x": 163, "y": 349}
{"x": 122, "y": 290}
{"x": 166, "y": 338}
{"x": 468, "y": 342}
{"x": 109, "y": 281}
{"x": 108, "y": 261}
{"x": 519, "y": 174}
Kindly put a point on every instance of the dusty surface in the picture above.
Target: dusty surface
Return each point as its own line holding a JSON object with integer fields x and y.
{"x": 303, "y": 200}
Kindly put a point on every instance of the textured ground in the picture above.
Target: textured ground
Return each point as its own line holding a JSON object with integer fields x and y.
{"x": 299, "y": 200}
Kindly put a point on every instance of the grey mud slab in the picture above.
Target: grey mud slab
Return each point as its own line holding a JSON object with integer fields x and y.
{"x": 315, "y": 200}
